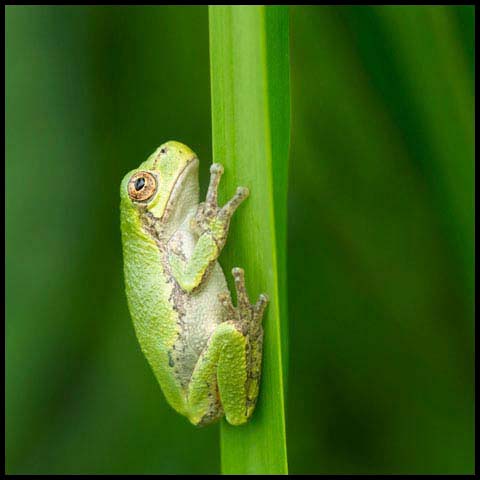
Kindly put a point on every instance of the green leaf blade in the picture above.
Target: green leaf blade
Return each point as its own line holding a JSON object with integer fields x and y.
{"x": 250, "y": 123}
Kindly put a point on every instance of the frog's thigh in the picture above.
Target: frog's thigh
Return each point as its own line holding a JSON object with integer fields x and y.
{"x": 224, "y": 363}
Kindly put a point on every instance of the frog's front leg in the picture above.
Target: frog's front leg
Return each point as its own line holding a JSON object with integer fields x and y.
{"x": 232, "y": 360}
{"x": 211, "y": 223}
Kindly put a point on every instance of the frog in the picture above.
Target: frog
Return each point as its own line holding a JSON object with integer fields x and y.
{"x": 205, "y": 352}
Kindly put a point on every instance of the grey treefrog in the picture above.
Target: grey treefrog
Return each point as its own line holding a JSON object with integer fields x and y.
{"x": 205, "y": 353}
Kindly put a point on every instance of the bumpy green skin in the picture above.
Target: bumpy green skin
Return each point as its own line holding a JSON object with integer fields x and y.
{"x": 205, "y": 353}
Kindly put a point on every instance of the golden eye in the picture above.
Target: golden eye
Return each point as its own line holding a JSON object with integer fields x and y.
{"x": 142, "y": 186}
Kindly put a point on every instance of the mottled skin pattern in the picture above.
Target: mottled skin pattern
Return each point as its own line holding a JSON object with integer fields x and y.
{"x": 205, "y": 353}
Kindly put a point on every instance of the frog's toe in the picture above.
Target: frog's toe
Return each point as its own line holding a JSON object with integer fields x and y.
{"x": 260, "y": 306}
{"x": 229, "y": 208}
{"x": 242, "y": 295}
{"x": 242, "y": 192}
{"x": 216, "y": 169}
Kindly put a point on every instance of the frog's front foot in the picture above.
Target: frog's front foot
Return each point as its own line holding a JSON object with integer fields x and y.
{"x": 212, "y": 219}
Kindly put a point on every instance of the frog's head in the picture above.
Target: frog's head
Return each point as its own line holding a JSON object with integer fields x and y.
{"x": 166, "y": 184}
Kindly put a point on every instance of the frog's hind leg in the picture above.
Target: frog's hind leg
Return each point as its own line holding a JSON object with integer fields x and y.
{"x": 228, "y": 371}
{"x": 204, "y": 404}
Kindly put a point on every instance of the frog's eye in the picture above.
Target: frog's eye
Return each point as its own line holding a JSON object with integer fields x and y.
{"x": 142, "y": 186}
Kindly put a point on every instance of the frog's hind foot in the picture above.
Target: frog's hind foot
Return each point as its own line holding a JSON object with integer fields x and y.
{"x": 246, "y": 317}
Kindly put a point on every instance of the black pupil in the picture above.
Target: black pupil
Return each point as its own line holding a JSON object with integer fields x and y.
{"x": 139, "y": 184}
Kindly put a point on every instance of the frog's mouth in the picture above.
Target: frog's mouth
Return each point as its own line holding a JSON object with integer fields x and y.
{"x": 178, "y": 186}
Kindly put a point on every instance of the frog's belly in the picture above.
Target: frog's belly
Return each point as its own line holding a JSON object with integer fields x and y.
{"x": 198, "y": 315}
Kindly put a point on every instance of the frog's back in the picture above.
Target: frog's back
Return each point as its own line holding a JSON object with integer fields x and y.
{"x": 148, "y": 294}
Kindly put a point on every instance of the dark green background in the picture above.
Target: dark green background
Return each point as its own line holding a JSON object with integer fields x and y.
{"x": 380, "y": 251}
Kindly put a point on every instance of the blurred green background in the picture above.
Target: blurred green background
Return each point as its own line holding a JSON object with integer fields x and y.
{"x": 380, "y": 250}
